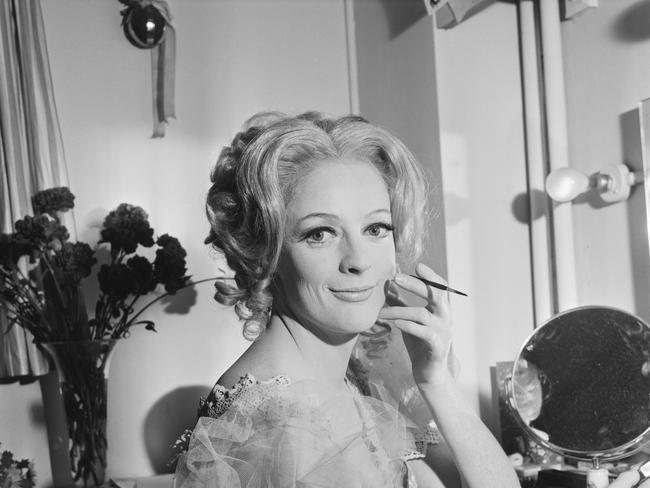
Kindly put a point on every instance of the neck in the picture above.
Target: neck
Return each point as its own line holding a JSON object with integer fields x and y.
{"x": 315, "y": 355}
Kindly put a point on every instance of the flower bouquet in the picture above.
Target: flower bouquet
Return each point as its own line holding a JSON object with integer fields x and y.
{"x": 41, "y": 289}
{"x": 15, "y": 473}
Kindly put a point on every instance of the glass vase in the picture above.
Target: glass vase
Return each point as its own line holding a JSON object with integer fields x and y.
{"x": 82, "y": 368}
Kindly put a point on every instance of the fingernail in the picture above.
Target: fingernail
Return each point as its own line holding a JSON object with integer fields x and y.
{"x": 399, "y": 279}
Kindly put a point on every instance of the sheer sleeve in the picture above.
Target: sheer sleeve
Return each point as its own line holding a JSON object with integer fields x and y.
{"x": 297, "y": 435}
{"x": 381, "y": 364}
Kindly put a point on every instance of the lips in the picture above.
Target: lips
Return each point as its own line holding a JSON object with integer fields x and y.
{"x": 356, "y": 294}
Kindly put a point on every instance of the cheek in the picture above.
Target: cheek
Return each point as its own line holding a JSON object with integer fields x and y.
{"x": 384, "y": 260}
{"x": 304, "y": 274}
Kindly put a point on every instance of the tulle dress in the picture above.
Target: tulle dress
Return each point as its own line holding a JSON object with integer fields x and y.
{"x": 278, "y": 433}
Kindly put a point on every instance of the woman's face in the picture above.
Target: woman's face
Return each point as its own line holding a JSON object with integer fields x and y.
{"x": 339, "y": 250}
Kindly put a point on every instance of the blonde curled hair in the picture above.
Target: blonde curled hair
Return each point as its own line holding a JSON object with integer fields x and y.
{"x": 254, "y": 179}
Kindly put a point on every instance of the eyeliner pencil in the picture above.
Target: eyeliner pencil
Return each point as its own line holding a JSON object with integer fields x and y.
{"x": 440, "y": 286}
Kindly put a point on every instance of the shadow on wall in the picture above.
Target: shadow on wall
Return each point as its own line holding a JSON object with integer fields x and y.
{"x": 638, "y": 215}
{"x": 167, "y": 420}
{"x": 632, "y": 25}
{"x": 401, "y": 15}
{"x": 181, "y": 302}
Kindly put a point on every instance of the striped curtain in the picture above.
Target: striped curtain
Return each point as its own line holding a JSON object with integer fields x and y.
{"x": 31, "y": 151}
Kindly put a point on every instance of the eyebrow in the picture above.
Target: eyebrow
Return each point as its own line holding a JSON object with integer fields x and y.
{"x": 324, "y": 215}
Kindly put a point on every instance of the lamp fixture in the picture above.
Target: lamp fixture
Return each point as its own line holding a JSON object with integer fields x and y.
{"x": 144, "y": 22}
{"x": 613, "y": 182}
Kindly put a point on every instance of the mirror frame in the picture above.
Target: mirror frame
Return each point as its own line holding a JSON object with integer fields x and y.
{"x": 611, "y": 454}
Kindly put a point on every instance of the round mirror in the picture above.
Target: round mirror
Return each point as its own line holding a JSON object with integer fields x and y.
{"x": 580, "y": 384}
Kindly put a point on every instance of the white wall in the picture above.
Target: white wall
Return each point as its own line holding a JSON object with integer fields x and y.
{"x": 606, "y": 52}
{"x": 606, "y": 74}
{"x": 397, "y": 89}
{"x": 484, "y": 181}
{"x": 234, "y": 57}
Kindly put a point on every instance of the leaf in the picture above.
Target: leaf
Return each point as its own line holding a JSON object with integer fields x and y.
{"x": 150, "y": 325}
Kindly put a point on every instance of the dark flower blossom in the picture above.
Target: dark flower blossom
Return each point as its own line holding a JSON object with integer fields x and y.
{"x": 125, "y": 228}
{"x": 79, "y": 260}
{"x": 56, "y": 231}
{"x": 6, "y": 459}
{"x": 169, "y": 265}
{"x": 31, "y": 228}
{"x": 12, "y": 248}
{"x": 46, "y": 296}
{"x": 16, "y": 473}
{"x": 41, "y": 230}
{"x": 53, "y": 200}
{"x": 116, "y": 281}
{"x": 142, "y": 273}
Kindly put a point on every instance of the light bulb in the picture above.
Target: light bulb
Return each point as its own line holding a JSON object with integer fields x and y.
{"x": 564, "y": 184}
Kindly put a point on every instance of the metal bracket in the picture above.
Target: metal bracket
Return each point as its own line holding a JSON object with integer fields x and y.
{"x": 449, "y": 13}
{"x": 571, "y": 8}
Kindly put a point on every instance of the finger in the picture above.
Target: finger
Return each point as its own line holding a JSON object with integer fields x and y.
{"x": 425, "y": 272}
{"x": 415, "y": 314}
{"x": 440, "y": 305}
{"x": 413, "y": 329}
{"x": 393, "y": 296}
{"x": 411, "y": 284}
{"x": 626, "y": 479}
{"x": 436, "y": 341}
{"x": 437, "y": 300}
{"x": 435, "y": 334}
{"x": 419, "y": 316}
{"x": 441, "y": 296}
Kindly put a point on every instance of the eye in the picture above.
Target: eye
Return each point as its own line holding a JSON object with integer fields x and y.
{"x": 318, "y": 235}
{"x": 379, "y": 229}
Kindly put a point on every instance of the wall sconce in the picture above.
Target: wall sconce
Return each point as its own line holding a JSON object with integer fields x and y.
{"x": 613, "y": 183}
{"x": 143, "y": 23}
{"x": 147, "y": 25}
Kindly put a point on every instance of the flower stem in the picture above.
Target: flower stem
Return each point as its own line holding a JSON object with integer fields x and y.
{"x": 128, "y": 324}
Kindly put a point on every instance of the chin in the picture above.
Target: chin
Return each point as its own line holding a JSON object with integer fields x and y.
{"x": 357, "y": 321}
{"x": 342, "y": 318}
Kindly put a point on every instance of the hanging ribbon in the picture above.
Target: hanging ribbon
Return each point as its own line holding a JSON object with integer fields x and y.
{"x": 163, "y": 69}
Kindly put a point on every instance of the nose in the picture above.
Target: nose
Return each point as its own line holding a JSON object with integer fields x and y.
{"x": 355, "y": 258}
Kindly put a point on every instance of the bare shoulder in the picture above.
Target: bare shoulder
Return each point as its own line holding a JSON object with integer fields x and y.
{"x": 273, "y": 354}
{"x": 238, "y": 370}
{"x": 256, "y": 361}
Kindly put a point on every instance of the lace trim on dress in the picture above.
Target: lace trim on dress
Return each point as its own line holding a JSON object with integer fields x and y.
{"x": 220, "y": 399}
{"x": 282, "y": 434}
{"x": 430, "y": 435}
{"x": 411, "y": 455}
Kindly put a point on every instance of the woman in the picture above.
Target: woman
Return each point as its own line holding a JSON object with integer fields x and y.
{"x": 311, "y": 214}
